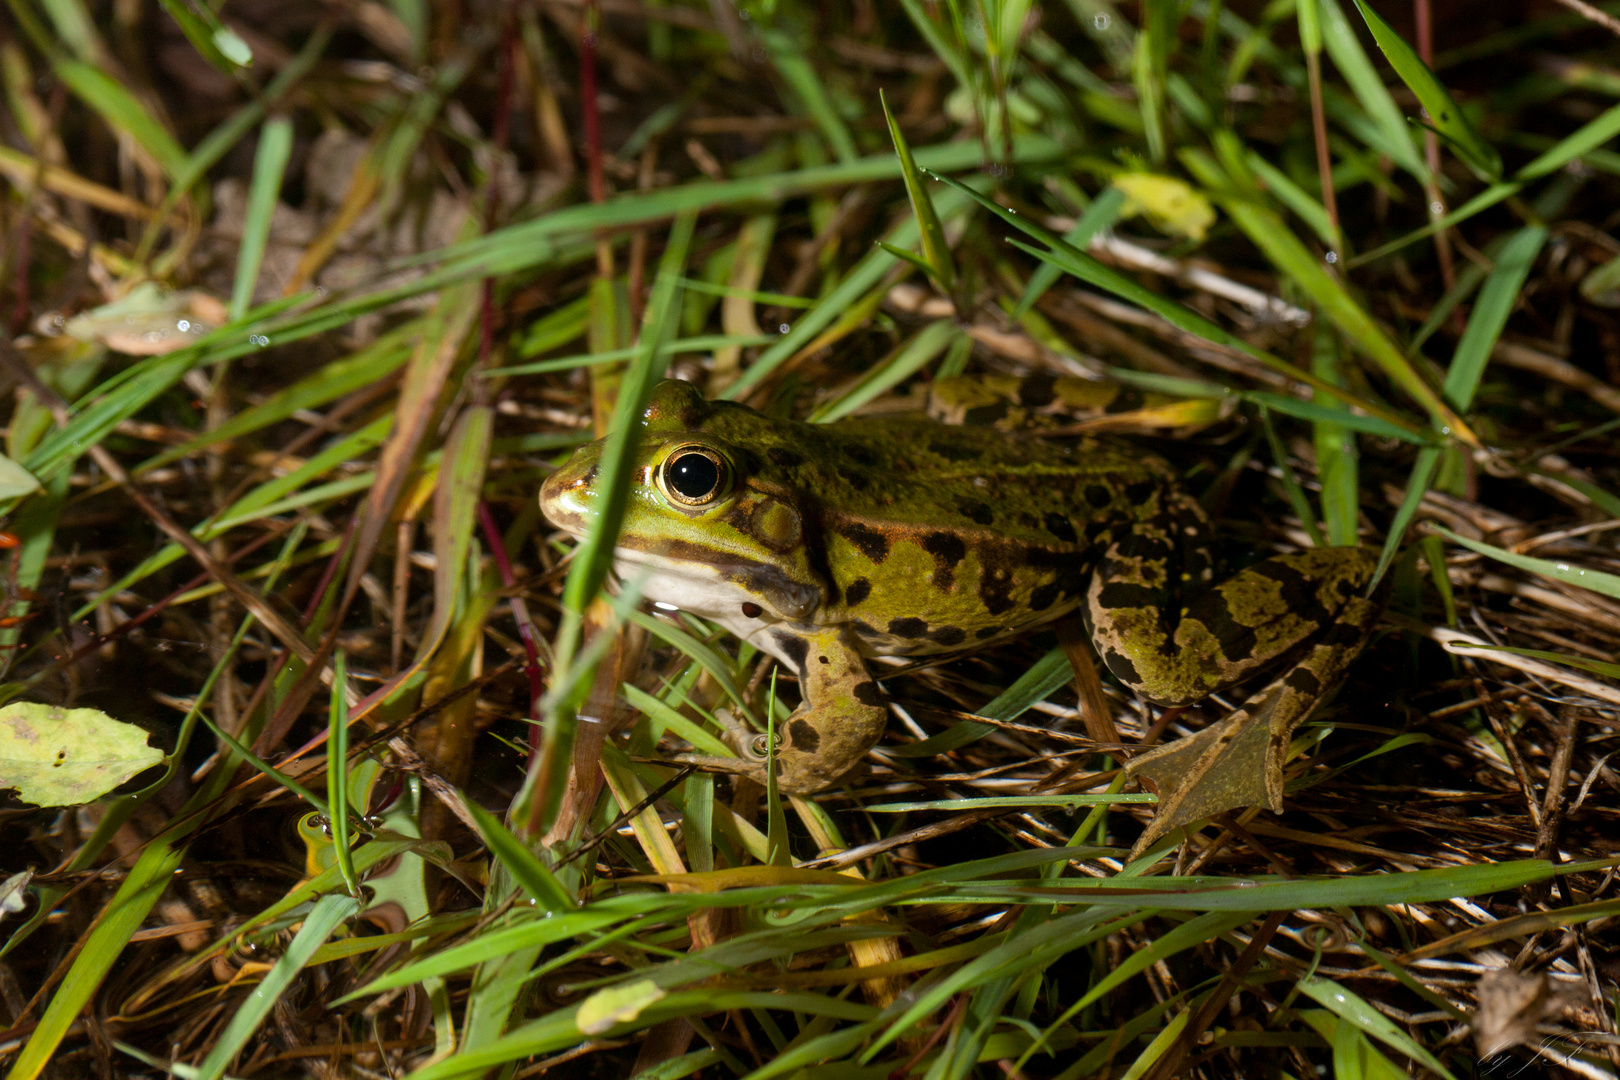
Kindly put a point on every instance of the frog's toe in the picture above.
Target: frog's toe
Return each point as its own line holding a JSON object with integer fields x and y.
{"x": 734, "y": 766}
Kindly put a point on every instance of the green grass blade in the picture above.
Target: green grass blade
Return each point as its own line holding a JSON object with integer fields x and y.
{"x": 1290, "y": 483}
{"x": 269, "y": 166}
{"x": 125, "y": 912}
{"x": 216, "y": 42}
{"x": 936, "y": 251}
{"x": 1271, "y": 235}
{"x": 1089, "y": 269}
{"x": 1353, "y": 63}
{"x": 119, "y": 108}
{"x": 1596, "y": 580}
{"x": 1497, "y": 299}
{"x": 596, "y": 550}
{"x": 1449, "y": 120}
{"x": 904, "y": 362}
{"x": 337, "y": 773}
{"x": 535, "y": 876}
{"x": 1044, "y": 676}
{"x": 708, "y": 658}
{"x": 1101, "y": 214}
{"x": 1337, "y": 466}
{"x": 1479, "y": 203}
{"x": 796, "y": 70}
{"x": 329, "y": 913}
{"x": 1588, "y": 137}
{"x": 1353, "y": 1008}
{"x": 1417, "y": 485}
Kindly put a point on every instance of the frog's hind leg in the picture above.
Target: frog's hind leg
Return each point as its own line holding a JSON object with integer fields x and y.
{"x": 1166, "y": 632}
{"x": 1239, "y": 760}
{"x": 1163, "y": 630}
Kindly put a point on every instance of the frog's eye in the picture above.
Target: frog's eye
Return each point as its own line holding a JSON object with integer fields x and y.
{"x": 693, "y": 475}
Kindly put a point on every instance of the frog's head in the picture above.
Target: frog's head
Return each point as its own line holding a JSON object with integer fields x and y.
{"x": 719, "y": 533}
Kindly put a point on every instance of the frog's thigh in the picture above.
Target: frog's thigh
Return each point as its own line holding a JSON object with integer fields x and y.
{"x": 1229, "y": 631}
{"x": 842, "y": 716}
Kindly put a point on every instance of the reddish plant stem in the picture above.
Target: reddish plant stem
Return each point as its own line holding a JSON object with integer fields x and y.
{"x": 587, "y": 92}
{"x": 501, "y": 133}
{"x": 1423, "y": 21}
{"x": 520, "y": 612}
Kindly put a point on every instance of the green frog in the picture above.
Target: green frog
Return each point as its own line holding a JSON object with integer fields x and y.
{"x": 897, "y": 536}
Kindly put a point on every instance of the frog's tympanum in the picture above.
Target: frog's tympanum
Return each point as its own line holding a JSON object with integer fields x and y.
{"x": 824, "y": 545}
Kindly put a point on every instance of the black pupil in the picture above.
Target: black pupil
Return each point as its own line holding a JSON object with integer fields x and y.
{"x": 694, "y": 475}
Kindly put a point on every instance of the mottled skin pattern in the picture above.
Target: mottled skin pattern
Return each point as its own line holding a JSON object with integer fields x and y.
{"x": 826, "y": 544}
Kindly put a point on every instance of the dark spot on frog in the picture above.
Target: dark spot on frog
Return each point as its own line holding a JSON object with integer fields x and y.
{"x": 869, "y": 542}
{"x": 955, "y": 451}
{"x": 857, "y": 480}
{"x": 1303, "y": 681}
{"x": 1121, "y": 666}
{"x": 782, "y": 456}
{"x": 858, "y": 591}
{"x": 1098, "y": 495}
{"x": 995, "y": 589}
{"x": 1044, "y": 596}
{"x": 987, "y": 632}
{"x": 794, "y": 648}
{"x": 590, "y": 476}
{"x": 865, "y": 629}
{"x": 1061, "y": 527}
{"x": 752, "y": 610}
{"x": 1236, "y": 639}
{"x": 977, "y": 512}
{"x": 1139, "y": 493}
{"x": 947, "y": 636}
{"x": 948, "y": 551}
{"x": 1117, "y": 595}
{"x": 867, "y": 693}
{"x": 805, "y": 737}
{"x": 860, "y": 455}
{"x": 1037, "y": 390}
{"x": 823, "y": 659}
{"x": 1342, "y": 635}
{"x": 908, "y": 628}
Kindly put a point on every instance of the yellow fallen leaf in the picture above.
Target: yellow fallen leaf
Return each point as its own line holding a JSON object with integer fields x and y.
{"x": 1171, "y": 205}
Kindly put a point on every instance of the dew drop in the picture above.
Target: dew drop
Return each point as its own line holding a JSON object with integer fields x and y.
{"x": 784, "y": 328}
{"x": 183, "y": 325}
{"x": 1332, "y": 257}
{"x": 1100, "y": 21}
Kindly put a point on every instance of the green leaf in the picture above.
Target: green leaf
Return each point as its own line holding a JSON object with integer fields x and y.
{"x": 616, "y": 1005}
{"x": 218, "y": 44}
{"x": 15, "y": 480}
{"x": 63, "y": 757}
{"x": 935, "y": 248}
{"x": 1447, "y": 118}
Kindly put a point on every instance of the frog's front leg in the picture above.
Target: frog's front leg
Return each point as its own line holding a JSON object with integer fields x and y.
{"x": 842, "y": 715}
